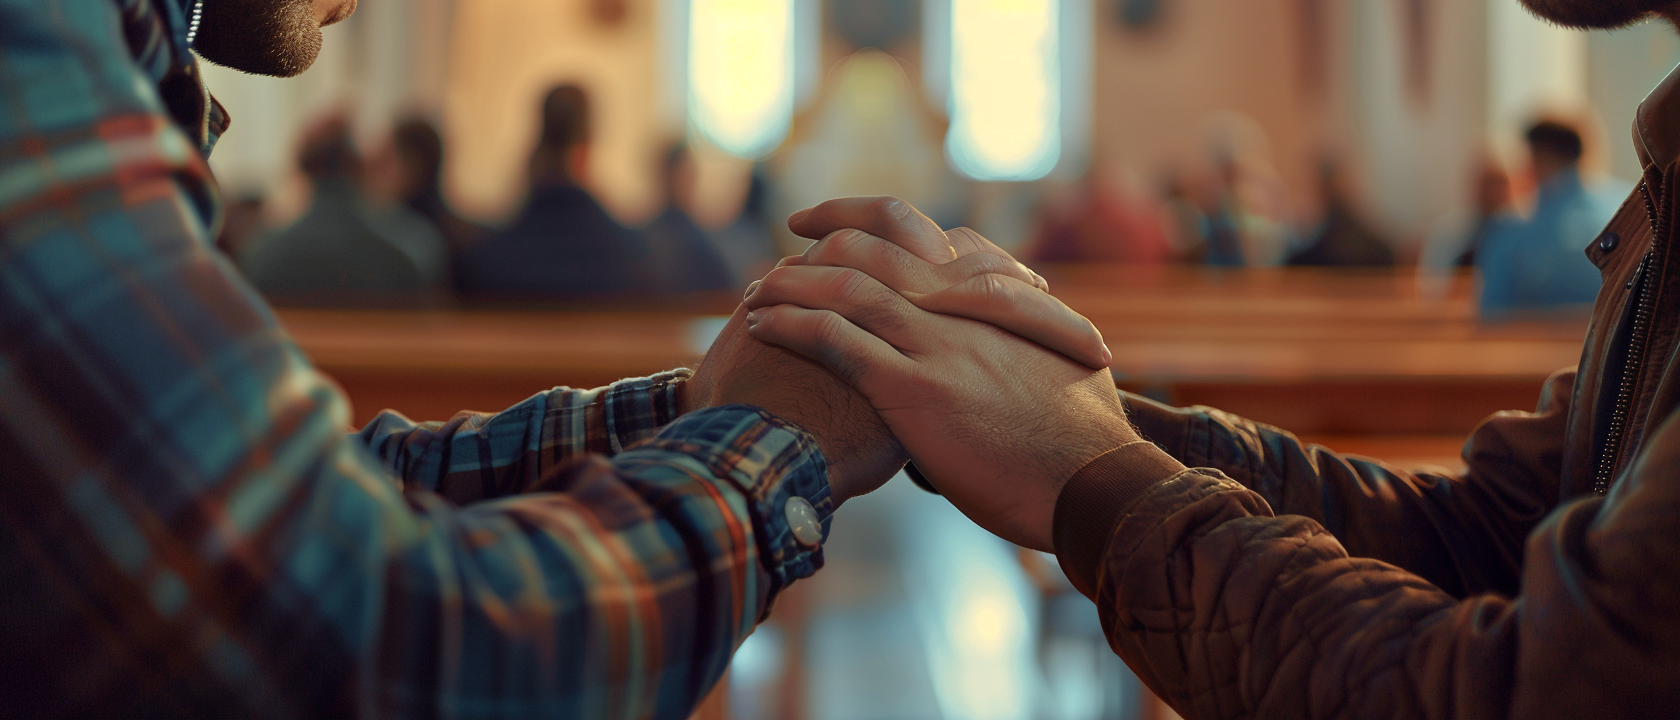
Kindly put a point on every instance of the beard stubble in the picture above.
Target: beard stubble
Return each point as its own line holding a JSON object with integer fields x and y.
{"x": 1596, "y": 14}
{"x": 280, "y": 38}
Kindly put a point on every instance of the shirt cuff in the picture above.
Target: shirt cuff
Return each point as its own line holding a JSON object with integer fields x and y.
{"x": 772, "y": 462}
{"x": 1166, "y": 426}
{"x": 636, "y": 409}
{"x": 1096, "y": 499}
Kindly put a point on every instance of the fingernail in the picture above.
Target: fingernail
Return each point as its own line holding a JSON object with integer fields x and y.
{"x": 752, "y": 288}
{"x": 796, "y": 217}
{"x": 1108, "y": 355}
{"x": 752, "y": 320}
{"x": 1042, "y": 283}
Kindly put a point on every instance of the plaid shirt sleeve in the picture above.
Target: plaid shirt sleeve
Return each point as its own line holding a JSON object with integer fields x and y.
{"x": 477, "y": 456}
{"x": 187, "y": 530}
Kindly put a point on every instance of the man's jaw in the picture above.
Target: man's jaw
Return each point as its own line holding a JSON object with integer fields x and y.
{"x": 280, "y": 38}
{"x": 1598, "y": 14}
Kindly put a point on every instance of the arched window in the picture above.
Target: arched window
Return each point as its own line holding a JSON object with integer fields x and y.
{"x": 741, "y": 73}
{"x": 1014, "y": 75}
{"x": 1005, "y": 89}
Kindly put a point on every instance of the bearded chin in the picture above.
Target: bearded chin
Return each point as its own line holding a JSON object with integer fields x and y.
{"x": 280, "y": 38}
{"x": 1595, "y": 14}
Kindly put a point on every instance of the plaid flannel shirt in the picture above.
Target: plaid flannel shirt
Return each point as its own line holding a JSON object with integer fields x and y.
{"x": 185, "y": 528}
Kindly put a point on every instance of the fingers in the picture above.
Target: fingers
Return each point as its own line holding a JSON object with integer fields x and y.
{"x": 896, "y": 222}
{"x": 888, "y": 218}
{"x": 904, "y": 273}
{"x": 1012, "y": 305}
{"x": 862, "y": 360}
{"x": 855, "y": 296}
{"x": 965, "y": 241}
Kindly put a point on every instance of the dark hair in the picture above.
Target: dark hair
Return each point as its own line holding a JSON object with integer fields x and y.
{"x": 673, "y": 158}
{"x": 565, "y": 117}
{"x": 1554, "y": 138}
{"x": 419, "y": 144}
{"x": 329, "y": 151}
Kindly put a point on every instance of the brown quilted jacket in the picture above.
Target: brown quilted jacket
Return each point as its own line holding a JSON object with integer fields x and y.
{"x": 1283, "y": 580}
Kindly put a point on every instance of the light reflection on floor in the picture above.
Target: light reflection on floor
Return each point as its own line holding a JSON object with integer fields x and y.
{"x": 920, "y": 615}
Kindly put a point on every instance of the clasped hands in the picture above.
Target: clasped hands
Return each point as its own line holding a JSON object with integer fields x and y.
{"x": 892, "y": 339}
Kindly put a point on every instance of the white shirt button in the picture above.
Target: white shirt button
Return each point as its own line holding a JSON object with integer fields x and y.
{"x": 802, "y": 520}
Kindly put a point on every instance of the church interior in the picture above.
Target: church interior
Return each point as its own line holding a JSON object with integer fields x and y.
{"x": 1253, "y": 201}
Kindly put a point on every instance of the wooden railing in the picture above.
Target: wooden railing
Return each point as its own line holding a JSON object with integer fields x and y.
{"x": 1361, "y": 358}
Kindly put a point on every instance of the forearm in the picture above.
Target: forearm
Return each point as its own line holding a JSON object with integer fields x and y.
{"x": 1462, "y": 532}
{"x": 478, "y": 456}
{"x": 1227, "y": 611}
{"x": 624, "y": 593}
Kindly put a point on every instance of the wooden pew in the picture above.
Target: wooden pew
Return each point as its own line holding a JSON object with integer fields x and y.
{"x": 1330, "y": 355}
{"x": 1326, "y": 352}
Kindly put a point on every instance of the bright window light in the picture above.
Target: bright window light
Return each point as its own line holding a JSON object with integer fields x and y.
{"x": 1005, "y": 88}
{"x": 740, "y": 73}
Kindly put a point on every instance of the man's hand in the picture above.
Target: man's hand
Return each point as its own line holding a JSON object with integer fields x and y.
{"x": 998, "y": 423}
{"x": 861, "y": 451}
{"x": 958, "y": 287}
{"x": 738, "y": 369}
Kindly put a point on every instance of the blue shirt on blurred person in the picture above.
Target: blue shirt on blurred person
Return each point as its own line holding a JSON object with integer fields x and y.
{"x": 1537, "y": 264}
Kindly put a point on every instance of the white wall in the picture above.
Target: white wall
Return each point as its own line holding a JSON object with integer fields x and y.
{"x": 1622, "y": 67}
{"x": 1533, "y": 67}
{"x": 1417, "y": 151}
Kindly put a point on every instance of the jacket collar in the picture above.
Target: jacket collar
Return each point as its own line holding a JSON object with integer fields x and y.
{"x": 1656, "y": 127}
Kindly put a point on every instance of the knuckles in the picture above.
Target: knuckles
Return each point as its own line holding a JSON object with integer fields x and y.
{"x": 845, "y": 284}
{"x": 892, "y": 209}
{"x": 978, "y": 264}
{"x": 867, "y": 303}
{"x": 828, "y": 330}
{"x": 890, "y": 257}
{"x": 992, "y": 289}
{"x": 776, "y": 285}
{"x": 836, "y": 248}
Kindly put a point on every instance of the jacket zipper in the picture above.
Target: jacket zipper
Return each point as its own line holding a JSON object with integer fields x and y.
{"x": 1636, "y": 356}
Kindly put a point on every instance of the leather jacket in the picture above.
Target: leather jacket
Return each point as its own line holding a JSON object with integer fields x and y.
{"x": 1284, "y": 580}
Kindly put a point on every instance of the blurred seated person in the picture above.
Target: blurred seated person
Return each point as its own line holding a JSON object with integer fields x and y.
{"x": 346, "y": 250}
{"x": 1456, "y": 237}
{"x": 562, "y": 245}
{"x": 1538, "y": 264}
{"x": 409, "y": 170}
{"x": 1099, "y": 221}
{"x": 1240, "y": 204}
{"x": 1496, "y": 204}
{"x": 746, "y": 243}
{"x": 242, "y": 225}
{"x": 687, "y": 259}
{"x": 1345, "y": 238}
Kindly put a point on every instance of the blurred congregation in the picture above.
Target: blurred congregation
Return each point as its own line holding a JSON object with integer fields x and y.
{"x": 1366, "y": 201}
{"x": 397, "y": 178}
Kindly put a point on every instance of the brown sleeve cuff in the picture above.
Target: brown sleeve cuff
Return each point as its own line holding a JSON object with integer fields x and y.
{"x": 1094, "y": 501}
{"x": 1166, "y": 426}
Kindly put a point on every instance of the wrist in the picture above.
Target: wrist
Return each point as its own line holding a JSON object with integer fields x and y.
{"x": 692, "y": 396}
{"x": 1094, "y": 501}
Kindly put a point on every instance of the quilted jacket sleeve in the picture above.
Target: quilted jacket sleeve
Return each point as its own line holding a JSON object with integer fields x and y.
{"x": 1462, "y": 531}
{"x": 1228, "y": 609}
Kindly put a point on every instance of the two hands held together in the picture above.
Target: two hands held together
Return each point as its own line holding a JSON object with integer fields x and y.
{"x": 890, "y": 339}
